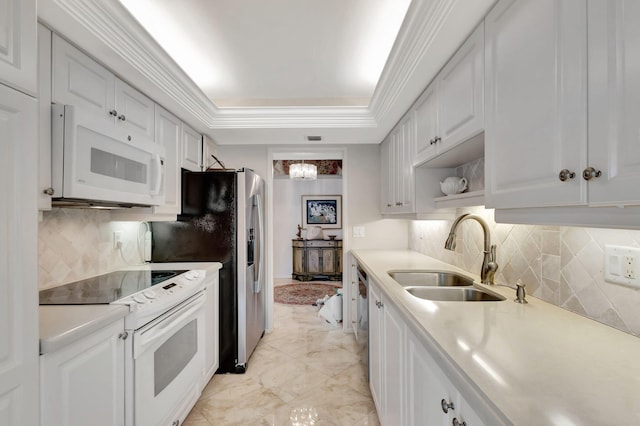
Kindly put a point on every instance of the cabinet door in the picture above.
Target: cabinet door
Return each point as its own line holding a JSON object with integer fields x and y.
{"x": 212, "y": 325}
{"x": 392, "y": 366}
{"x": 313, "y": 261}
{"x": 328, "y": 260}
{"x": 408, "y": 149}
{"x": 387, "y": 184}
{"x": 81, "y": 81}
{"x": 536, "y": 109}
{"x": 18, "y": 259}
{"x": 614, "y": 101}
{"x": 45, "y": 183}
{"x": 136, "y": 112}
{"x": 84, "y": 381}
{"x": 426, "y": 117}
{"x": 375, "y": 348}
{"x": 461, "y": 94}
{"x": 424, "y": 391}
{"x": 191, "y": 158}
{"x": 18, "y": 48}
{"x": 298, "y": 255}
{"x": 167, "y": 134}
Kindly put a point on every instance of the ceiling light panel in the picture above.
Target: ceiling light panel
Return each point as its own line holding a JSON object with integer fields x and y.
{"x": 277, "y": 53}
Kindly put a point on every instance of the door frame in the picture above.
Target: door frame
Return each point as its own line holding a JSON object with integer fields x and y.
{"x": 306, "y": 153}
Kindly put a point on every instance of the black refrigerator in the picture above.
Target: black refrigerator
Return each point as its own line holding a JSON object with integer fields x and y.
{"x": 222, "y": 221}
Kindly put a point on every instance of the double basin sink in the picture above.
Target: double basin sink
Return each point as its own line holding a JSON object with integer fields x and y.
{"x": 442, "y": 286}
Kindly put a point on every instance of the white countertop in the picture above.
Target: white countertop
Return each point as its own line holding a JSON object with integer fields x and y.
{"x": 64, "y": 324}
{"x": 537, "y": 363}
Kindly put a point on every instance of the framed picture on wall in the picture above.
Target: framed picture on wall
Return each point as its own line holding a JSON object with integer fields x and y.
{"x": 322, "y": 210}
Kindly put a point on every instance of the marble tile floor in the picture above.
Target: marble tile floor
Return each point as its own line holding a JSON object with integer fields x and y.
{"x": 304, "y": 373}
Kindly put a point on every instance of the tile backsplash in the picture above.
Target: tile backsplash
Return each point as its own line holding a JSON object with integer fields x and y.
{"x": 74, "y": 244}
{"x": 561, "y": 265}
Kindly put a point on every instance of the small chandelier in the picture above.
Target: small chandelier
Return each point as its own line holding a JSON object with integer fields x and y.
{"x": 303, "y": 171}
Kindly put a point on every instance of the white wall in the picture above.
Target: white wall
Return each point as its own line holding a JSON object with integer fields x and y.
{"x": 287, "y": 209}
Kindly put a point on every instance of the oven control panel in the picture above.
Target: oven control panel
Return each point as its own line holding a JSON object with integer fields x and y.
{"x": 148, "y": 304}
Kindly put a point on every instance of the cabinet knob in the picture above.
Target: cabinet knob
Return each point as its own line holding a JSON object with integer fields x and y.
{"x": 389, "y": 205}
{"x": 446, "y": 406}
{"x": 129, "y": 138}
{"x": 590, "y": 173}
{"x": 123, "y": 335}
{"x": 113, "y": 113}
{"x": 432, "y": 141}
{"x": 122, "y": 117}
{"x": 398, "y": 203}
{"x": 455, "y": 422}
{"x": 566, "y": 174}
{"x": 49, "y": 191}
{"x": 176, "y": 423}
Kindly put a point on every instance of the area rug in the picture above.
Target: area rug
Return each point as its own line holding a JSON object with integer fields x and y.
{"x": 303, "y": 294}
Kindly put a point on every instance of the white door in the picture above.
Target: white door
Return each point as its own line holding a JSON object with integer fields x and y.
{"x": 19, "y": 403}
{"x": 136, "y": 112}
{"x": 375, "y": 349}
{"x": 392, "y": 367}
{"x": 536, "y": 103}
{"x": 18, "y": 53}
{"x": 614, "y": 101}
{"x": 79, "y": 80}
{"x": 83, "y": 383}
{"x": 460, "y": 92}
{"x": 191, "y": 149}
{"x": 408, "y": 149}
{"x": 426, "y": 117}
{"x": 168, "y": 133}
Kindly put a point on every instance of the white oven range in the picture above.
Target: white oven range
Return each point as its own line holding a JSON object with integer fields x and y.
{"x": 164, "y": 337}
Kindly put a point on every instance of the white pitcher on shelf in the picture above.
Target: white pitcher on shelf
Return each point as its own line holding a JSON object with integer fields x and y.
{"x": 454, "y": 185}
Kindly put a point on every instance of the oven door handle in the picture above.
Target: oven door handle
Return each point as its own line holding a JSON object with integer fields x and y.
{"x": 147, "y": 338}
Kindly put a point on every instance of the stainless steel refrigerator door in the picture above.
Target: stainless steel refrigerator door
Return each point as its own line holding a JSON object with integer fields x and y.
{"x": 251, "y": 268}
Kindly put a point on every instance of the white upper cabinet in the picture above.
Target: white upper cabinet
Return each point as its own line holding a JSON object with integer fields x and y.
{"x": 191, "y": 149}
{"x": 168, "y": 134}
{"x": 18, "y": 53}
{"x": 45, "y": 183}
{"x": 614, "y": 102}
{"x": 536, "y": 103}
{"x": 562, "y": 104}
{"x": 398, "y": 151}
{"x": 134, "y": 110}
{"x": 81, "y": 81}
{"x": 451, "y": 110}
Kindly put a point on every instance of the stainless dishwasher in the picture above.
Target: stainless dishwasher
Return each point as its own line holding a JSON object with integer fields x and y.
{"x": 363, "y": 318}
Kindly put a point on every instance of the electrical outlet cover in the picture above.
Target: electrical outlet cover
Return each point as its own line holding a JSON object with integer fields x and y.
{"x": 620, "y": 265}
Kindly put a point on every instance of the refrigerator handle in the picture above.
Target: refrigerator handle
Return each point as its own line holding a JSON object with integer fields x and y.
{"x": 258, "y": 268}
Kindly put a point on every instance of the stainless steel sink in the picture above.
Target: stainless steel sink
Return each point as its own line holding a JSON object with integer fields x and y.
{"x": 454, "y": 294}
{"x": 430, "y": 279}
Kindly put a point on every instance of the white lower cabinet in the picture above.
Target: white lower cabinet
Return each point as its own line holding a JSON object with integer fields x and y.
{"x": 407, "y": 384}
{"x": 431, "y": 398}
{"x": 386, "y": 333}
{"x": 83, "y": 383}
{"x": 212, "y": 328}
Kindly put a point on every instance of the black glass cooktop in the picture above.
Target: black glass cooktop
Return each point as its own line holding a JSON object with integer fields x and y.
{"x": 104, "y": 289}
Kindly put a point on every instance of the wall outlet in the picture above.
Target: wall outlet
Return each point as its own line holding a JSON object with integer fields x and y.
{"x": 117, "y": 239}
{"x": 620, "y": 265}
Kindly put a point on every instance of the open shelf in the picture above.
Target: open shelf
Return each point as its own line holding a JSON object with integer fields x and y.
{"x": 466, "y": 199}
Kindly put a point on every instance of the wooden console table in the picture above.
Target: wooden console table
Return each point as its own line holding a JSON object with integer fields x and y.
{"x": 317, "y": 259}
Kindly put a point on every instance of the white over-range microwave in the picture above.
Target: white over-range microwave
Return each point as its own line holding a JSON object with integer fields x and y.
{"x": 97, "y": 163}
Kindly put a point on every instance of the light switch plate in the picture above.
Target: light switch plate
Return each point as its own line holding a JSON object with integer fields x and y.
{"x": 358, "y": 232}
{"x": 620, "y": 265}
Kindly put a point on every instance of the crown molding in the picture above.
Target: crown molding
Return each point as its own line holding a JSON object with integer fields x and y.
{"x": 422, "y": 23}
{"x": 107, "y": 30}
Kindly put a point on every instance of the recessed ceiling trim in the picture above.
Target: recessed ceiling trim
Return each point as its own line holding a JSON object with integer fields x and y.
{"x": 412, "y": 64}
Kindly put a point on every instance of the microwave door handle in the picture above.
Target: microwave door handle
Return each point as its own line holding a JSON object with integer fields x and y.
{"x": 158, "y": 177}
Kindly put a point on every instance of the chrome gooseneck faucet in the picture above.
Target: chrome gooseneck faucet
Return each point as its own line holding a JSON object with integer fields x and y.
{"x": 489, "y": 265}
